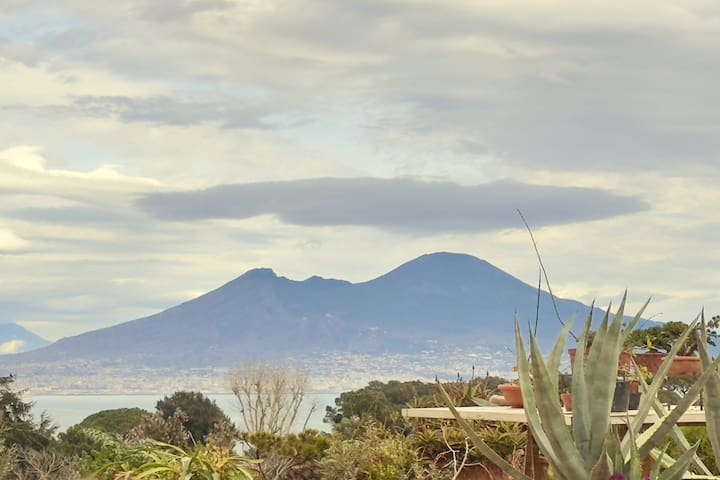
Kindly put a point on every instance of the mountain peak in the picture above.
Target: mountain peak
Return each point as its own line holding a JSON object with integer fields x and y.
{"x": 443, "y": 266}
{"x": 259, "y": 274}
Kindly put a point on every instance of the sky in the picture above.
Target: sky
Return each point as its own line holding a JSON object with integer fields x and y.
{"x": 152, "y": 150}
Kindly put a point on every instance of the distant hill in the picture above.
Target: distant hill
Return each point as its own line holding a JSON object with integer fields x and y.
{"x": 16, "y": 339}
{"x": 441, "y": 297}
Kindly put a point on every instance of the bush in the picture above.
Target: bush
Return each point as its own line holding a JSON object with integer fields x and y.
{"x": 378, "y": 455}
{"x": 292, "y": 456}
{"x": 380, "y": 401}
{"x": 118, "y": 420}
{"x": 167, "y": 462}
{"x": 203, "y": 416}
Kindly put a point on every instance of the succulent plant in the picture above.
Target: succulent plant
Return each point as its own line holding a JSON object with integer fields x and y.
{"x": 712, "y": 393}
{"x": 589, "y": 448}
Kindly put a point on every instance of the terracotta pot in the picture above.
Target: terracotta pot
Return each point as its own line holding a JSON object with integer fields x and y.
{"x": 567, "y": 401}
{"x": 572, "y": 352}
{"x": 686, "y": 366}
{"x": 682, "y": 366}
{"x": 650, "y": 360}
{"x": 512, "y": 394}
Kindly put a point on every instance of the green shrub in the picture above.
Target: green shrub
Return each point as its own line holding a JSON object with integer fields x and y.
{"x": 118, "y": 420}
{"x": 378, "y": 455}
{"x": 292, "y": 456}
{"x": 203, "y": 416}
{"x": 704, "y": 451}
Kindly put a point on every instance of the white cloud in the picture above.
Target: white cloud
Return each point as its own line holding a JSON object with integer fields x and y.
{"x": 13, "y": 346}
{"x": 101, "y": 106}
{"x": 10, "y": 242}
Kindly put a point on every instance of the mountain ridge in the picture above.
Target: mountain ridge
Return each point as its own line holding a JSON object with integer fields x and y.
{"x": 441, "y": 297}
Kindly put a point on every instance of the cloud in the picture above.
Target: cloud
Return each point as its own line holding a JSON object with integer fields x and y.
{"x": 13, "y": 346}
{"x": 10, "y": 242}
{"x": 403, "y": 205}
{"x": 158, "y": 110}
{"x": 167, "y": 10}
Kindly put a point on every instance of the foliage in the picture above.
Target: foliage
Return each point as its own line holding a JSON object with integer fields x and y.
{"x": 661, "y": 338}
{"x": 168, "y": 430}
{"x": 18, "y": 424}
{"x": 109, "y": 449}
{"x": 8, "y": 456}
{"x": 377, "y": 455}
{"x": 167, "y": 462}
{"x": 443, "y": 442}
{"x": 293, "y": 456}
{"x": 118, "y": 420}
{"x": 202, "y": 415}
{"x": 712, "y": 393}
{"x": 44, "y": 464}
{"x": 78, "y": 441}
{"x": 270, "y": 397}
{"x": 379, "y": 401}
{"x": 700, "y": 436}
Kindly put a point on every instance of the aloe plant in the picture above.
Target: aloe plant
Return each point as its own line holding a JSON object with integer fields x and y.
{"x": 712, "y": 393}
{"x": 588, "y": 448}
{"x": 169, "y": 462}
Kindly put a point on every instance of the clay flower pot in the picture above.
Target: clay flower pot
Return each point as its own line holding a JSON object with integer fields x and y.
{"x": 650, "y": 360}
{"x": 686, "y": 366}
{"x": 512, "y": 394}
{"x": 567, "y": 401}
{"x": 682, "y": 366}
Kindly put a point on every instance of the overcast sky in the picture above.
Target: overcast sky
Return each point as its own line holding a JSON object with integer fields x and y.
{"x": 152, "y": 150}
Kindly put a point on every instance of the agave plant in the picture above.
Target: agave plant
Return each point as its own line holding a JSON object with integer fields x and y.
{"x": 589, "y": 447}
{"x": 168, "y": 462}
{"x": 712, "y": 397}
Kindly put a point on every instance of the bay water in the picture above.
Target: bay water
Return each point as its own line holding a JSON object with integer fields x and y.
{"x": 68, "y": 410}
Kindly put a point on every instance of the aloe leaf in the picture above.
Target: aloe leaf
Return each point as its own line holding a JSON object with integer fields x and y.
{"x": 660, "y": 429}
{"x": 602, "y": 470}
{"x": 555, "y": 457}
{"x": 556, "y": 353}
{"x": 581, "y": 413}
{"x": 550, "y": 411}
{"x": 654, "y": 388}
{"x": 601, "y": 379}
{"x": 680, "y": 467}
{"x": 712, "y": 400}
{"x": 677, "y": 435}
{"x": 482, "y": 447}
{"x": 635, "y": 459}
{"x": 633, "y": 323}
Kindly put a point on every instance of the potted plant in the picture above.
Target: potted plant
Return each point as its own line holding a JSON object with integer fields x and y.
{"x": 512, "y": 394}
{"x": 654, "y": 343}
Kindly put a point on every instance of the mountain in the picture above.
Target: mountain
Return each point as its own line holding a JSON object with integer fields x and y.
{"x": 454, "y": 299}
{"x": 15, "y": 339}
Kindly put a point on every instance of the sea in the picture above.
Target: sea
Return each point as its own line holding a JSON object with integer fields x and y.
{"x": 68, "y": 410}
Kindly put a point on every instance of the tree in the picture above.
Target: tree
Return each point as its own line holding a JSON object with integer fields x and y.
{"x": 270, "y": 397}
{"x": 118, "y": 420}
{"x": 380, "y": 401}
{"x": 203, "y": 414}
{"x": 17, "y": 423}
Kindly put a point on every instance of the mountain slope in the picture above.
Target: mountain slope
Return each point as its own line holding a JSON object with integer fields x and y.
{"x": 441, "y": 297}
{"x": 15, "y": 339}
